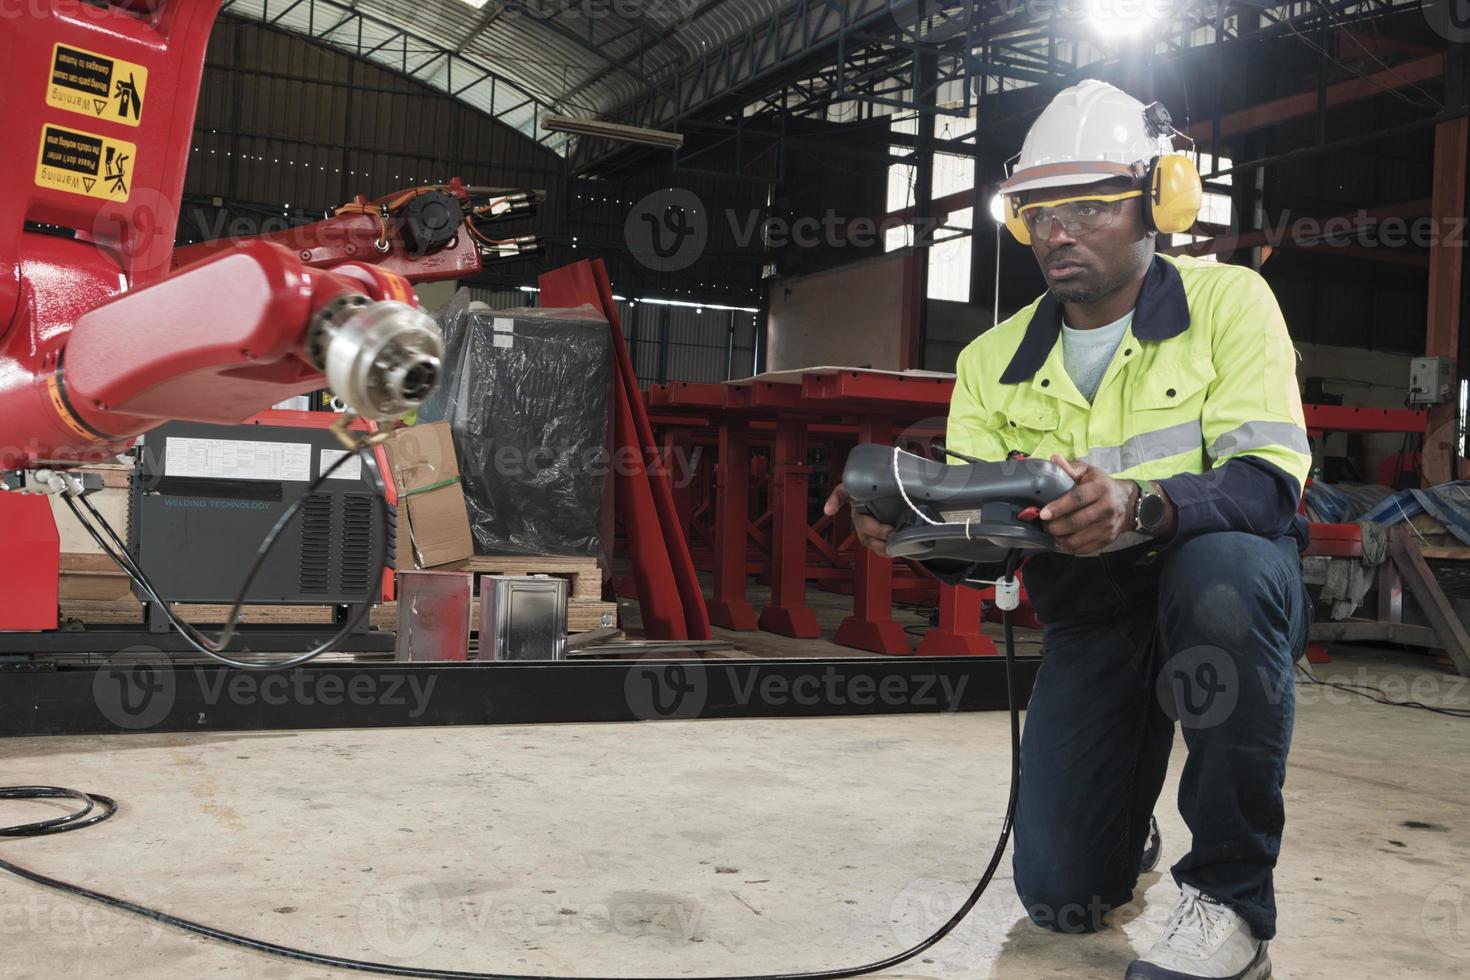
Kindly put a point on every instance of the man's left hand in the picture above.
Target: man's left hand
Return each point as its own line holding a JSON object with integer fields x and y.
{"x": 1091, "y": 515}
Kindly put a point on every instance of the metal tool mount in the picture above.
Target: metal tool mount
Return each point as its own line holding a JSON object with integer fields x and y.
{"x": 383, "y": 359}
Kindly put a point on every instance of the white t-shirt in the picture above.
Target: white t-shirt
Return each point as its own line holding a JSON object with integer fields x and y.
{"x": 1087, "y": 353}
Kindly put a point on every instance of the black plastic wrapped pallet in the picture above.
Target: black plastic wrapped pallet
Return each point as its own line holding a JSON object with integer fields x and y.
{"x": 526, "y": 393}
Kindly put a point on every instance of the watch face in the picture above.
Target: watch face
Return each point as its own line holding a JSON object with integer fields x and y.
{"x": 1151, "y": 512}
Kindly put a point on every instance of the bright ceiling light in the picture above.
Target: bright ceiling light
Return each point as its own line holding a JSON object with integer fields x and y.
{"x": 998, "y": 209}
{"x": 1123, "y": 18}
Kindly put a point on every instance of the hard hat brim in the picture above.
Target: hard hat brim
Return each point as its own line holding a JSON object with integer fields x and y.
{"x": 1063, "y": 175}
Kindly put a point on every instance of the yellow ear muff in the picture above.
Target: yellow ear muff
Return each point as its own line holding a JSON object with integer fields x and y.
{"x": 1014, "y": 222}
{"x": 1174, "y": 194}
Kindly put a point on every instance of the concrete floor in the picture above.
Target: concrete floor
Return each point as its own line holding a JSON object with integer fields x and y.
{"x": 697, "y": 849}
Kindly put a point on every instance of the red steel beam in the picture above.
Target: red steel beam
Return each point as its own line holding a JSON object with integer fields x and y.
{"x": 1342, "y": 418}
{"x": 1446, "y": 262}
{"x": 1305, "y": 103}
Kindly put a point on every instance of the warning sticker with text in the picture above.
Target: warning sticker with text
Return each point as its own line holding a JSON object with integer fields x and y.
{"x": 96, "y": 85}
{"x": 84, "y": 163}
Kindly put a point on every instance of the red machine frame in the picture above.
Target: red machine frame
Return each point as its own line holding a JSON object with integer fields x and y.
{"x": 843, "y": 408}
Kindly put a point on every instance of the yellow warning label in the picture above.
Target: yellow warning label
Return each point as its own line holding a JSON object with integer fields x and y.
{"x": 96, "y": 85}
{"x": 83, "y": 163}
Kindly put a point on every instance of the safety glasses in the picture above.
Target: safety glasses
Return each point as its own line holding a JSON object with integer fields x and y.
{"x": 1077, "y": 215}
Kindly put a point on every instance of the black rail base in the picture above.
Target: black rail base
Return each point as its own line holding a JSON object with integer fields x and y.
{"x": 147, "y": 693}
{"x": 126, "y": 639}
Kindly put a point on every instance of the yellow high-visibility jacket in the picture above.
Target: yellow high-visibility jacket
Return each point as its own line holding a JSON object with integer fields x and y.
{"x": 1201, "y": 397}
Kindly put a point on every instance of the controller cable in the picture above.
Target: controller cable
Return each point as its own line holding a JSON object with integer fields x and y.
{"x": 94, "y": 808}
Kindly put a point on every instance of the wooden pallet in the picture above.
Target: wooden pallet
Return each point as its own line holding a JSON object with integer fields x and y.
{"x": 583, "y": 574}
{"x": 96, "y": 592}
{"x": 1431, "y": 540}
{"x": 582, "y": 615}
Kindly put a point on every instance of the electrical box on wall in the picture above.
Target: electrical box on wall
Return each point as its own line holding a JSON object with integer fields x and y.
{"x": 1429, "y": 381}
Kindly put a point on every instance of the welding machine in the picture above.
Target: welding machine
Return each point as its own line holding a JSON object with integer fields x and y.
{"x": 202, "y": 497}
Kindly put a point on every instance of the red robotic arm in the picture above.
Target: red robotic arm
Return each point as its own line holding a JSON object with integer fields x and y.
{"x": 423, "y": 234}
{"x": 106, "y": 332}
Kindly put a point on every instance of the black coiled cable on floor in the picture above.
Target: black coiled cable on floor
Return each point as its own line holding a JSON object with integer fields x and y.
{"x": 85, "y": 818}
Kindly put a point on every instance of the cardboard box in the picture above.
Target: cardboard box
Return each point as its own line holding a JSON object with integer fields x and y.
{"x": 433, "y": 523}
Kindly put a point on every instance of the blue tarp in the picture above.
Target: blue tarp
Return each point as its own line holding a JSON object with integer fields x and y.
{"x": 1448, "y": 503}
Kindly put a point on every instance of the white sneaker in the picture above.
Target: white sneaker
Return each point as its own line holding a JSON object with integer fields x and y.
{"x": 1203, "y": 939}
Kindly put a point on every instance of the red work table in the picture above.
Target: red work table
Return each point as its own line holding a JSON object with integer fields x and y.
{"x": 842, "y": 408}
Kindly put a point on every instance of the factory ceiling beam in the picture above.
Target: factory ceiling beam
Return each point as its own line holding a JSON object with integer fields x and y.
{"x": 488, "y": 17}
{"x": 788, "y": 37}
{"x": 586, "y": 44}
{"x": 1305, "y": 103}
{"x": 340, "y": 24}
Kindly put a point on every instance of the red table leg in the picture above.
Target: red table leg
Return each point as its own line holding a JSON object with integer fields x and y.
{"x": 958, "y": 633}
{"x": 788, "y": 614}
{"x": 729, "y": 607}
{"x": 841, "y": 527}
{"x": 871, "y": 625}
{"x": 677, "y": 461}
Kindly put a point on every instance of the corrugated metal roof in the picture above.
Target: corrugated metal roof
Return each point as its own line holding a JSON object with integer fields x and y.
{"x": 573, "y": 57}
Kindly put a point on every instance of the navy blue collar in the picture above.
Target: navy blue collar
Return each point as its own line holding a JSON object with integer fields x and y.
{"x": 1162, "y": 312}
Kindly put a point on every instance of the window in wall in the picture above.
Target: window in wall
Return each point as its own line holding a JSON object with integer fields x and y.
{"x": 900, "y": 188}
{"x": 950, "y": 256}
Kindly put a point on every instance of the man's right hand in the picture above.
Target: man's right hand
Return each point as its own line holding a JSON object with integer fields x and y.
{"x": 871, "y": 533}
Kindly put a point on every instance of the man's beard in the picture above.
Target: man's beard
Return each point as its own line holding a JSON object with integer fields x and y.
{"x": 1078, "y": 292}
{"x": 1088, "y": 292}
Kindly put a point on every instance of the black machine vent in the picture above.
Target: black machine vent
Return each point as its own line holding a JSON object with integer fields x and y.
{"x": 357, "y": 542}
{"x": 316, "y": 544}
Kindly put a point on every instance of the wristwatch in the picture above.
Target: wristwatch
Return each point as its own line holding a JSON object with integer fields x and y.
{"x": 1150, "y": 512}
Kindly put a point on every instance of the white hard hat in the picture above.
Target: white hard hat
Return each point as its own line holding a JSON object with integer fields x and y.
{"x": 1088, "y": 133}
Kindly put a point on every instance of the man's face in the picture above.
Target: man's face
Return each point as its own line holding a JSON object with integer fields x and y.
{"x": 1087, "y": 265}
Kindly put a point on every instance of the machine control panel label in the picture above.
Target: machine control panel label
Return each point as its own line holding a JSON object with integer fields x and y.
{"x": 350, "y": 470}
{"x": 85, "y": 163}
{"x": 238, "y": 459}
{"x": 95, "y": 85}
